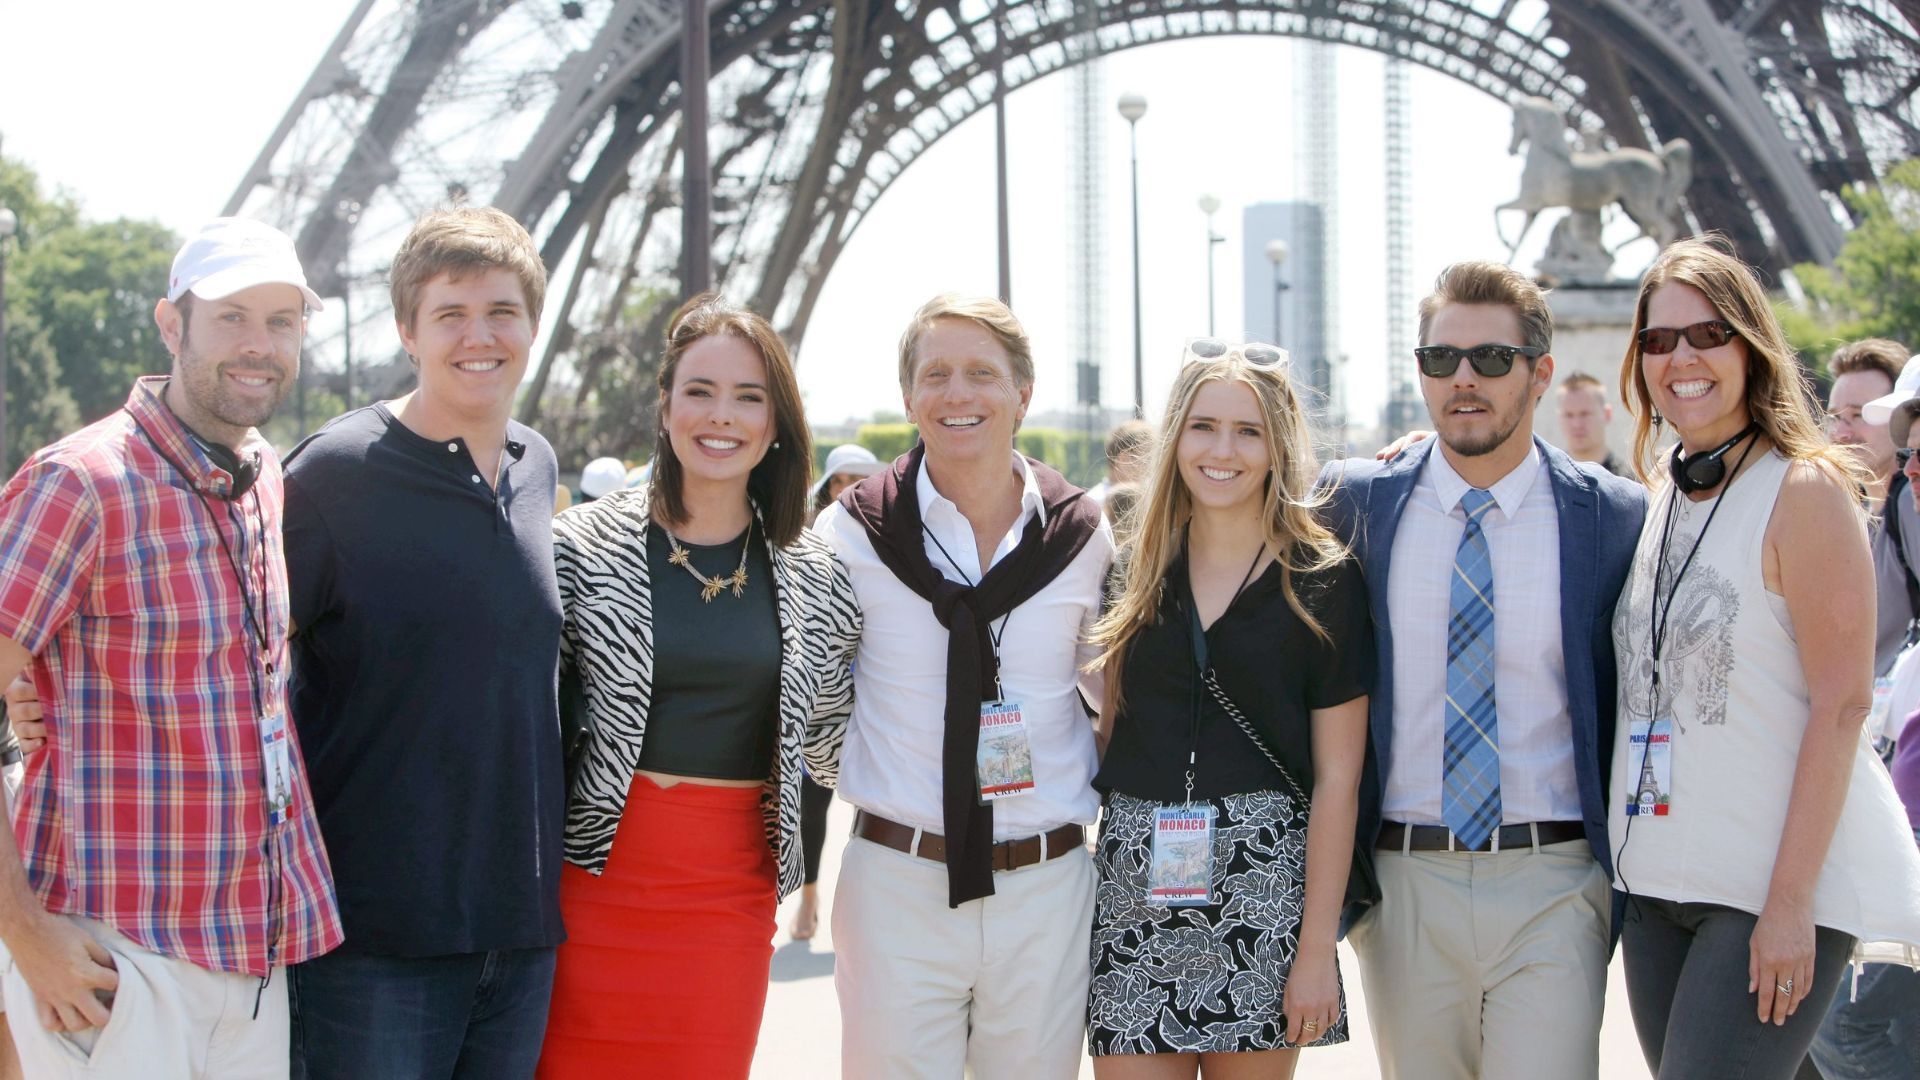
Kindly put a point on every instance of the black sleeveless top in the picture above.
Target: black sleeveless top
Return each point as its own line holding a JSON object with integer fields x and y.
{"x": 716, "y": 665}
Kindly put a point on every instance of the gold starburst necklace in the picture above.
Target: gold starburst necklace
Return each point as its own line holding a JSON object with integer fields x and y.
{"x": 710, "y": 586}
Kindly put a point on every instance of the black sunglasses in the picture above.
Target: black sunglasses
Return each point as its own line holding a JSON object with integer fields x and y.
{"x": 1661, "y": 340}
{"x": 1489, "y": 361}
{"x": 1259, "y": 354}
{"x": 1903, "y": 454}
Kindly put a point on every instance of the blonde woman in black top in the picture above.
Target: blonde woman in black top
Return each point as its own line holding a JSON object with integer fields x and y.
{"x": 1239, "y": 653}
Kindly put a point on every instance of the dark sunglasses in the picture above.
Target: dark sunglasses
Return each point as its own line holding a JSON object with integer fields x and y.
{"x": 1903, "y": 454}
{"x": 1259, "y": 354}
{"x": 1661, "y": 340}
{"x": 1489, "y": 361}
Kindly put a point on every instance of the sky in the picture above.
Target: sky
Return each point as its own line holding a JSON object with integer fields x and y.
{"x": 166, "y": 106}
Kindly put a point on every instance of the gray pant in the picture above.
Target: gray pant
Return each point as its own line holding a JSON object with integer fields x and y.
{"x": 1687, "y": 984}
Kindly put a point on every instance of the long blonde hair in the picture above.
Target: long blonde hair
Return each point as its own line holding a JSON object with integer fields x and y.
{"x": 1302, "y": 542}
{"x": 1779, "y": 396}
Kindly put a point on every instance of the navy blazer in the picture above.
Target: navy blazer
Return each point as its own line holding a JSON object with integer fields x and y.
{"x": 1600, "y": 518}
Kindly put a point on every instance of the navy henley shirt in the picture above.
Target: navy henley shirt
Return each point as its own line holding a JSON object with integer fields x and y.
{"x": 423, "y": 683}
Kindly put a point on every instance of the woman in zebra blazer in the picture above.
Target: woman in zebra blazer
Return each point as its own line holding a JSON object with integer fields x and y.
{"x": 683, "y": 816}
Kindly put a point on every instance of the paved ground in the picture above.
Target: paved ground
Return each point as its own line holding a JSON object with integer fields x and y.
{"x": 800, "y": 1039}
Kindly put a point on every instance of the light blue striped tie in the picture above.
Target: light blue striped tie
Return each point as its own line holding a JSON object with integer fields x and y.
{"x": 1470, "y": 776}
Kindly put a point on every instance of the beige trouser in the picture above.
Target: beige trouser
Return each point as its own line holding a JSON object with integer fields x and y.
{"x": 171, "y": 1020}
{"x": 1487, "y": 966}
{"x": 998, "y": 984}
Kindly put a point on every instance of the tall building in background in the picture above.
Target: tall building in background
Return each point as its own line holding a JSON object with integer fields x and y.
{"x": 1316, "y": 154}
{"x": 1088, "y": 111}
{"x": 1299, "y": 323}
{"x": 1404, "y": 410}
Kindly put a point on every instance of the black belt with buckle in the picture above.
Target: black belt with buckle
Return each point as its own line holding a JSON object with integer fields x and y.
{"x": 1393, "y": 836}
{"x": 1007, "y": 854}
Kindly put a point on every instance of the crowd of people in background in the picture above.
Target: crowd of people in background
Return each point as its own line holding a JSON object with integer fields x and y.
{"x": 396, "y": 759}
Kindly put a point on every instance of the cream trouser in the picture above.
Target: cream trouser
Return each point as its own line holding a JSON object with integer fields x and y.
{"x": 998, "y": 983}
{"x": 1487, "y": 966}
{"x": 171, "y": 1020}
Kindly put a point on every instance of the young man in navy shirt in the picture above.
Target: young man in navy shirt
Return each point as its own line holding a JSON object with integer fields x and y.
{"x": 420, "y": 552}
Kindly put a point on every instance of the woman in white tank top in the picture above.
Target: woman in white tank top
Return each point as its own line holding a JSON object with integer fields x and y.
{"x": 1756, "y": 833}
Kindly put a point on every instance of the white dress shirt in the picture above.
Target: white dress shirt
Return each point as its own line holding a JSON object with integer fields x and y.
{"x": 891, "y": 763}
{"x": 1537, "y": 779}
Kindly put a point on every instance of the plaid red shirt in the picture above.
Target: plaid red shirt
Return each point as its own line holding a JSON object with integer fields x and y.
{"x": 148, "y": 808}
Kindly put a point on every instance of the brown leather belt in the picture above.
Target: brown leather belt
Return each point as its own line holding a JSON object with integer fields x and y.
{"x": 1393, "y": 836}
{"x": 1007, "y": 854}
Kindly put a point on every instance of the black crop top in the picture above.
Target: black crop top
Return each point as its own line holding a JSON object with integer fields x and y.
{"x": 716, "y": 665}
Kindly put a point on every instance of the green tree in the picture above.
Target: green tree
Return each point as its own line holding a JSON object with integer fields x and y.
{"x": 92, "y": 286}
{"x": 39, "y": 409}
{"x": 1873, "y": 287}
{"x": 87, "y": 289}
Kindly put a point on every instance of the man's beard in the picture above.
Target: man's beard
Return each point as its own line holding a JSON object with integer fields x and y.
{"x": 1468, "y": 446}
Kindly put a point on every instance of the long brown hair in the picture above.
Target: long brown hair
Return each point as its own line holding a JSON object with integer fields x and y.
{"x": 1303, "y": 542}
{"x": 778, "y": 484}
{"x": 1779, "y": 396}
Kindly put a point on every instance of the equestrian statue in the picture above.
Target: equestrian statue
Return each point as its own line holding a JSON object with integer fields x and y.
{"x": 1647, "y": 186}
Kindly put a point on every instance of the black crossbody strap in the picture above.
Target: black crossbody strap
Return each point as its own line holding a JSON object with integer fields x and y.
{"x": 1240, "y": 720}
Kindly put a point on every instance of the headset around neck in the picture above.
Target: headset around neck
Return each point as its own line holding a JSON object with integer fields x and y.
{"x": 1703, "y": 472}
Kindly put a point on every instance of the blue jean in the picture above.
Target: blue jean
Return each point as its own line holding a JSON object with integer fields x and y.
{"x": 1877, "y": 1033}
{"x": 1876, "y": 1036}
{"x": 473, "y": 1016}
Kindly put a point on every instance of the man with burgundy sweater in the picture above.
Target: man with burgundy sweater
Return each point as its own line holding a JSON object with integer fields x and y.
{"x": 965, "y": 899}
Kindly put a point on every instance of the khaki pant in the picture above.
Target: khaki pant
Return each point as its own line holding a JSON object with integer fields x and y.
{"x": 171, "y": 1020}
{"x": 1487, "y": 966}
{"x": 998, "y": 983}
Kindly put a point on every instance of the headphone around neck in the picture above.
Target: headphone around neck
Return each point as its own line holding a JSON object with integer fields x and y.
{"x": 245, "y": 471}
{"x": 1703, "y": 472}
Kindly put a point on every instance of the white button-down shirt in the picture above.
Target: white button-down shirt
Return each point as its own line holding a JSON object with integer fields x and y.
{"x": 1537, "y": 779}
{"x": 891, "y": 763}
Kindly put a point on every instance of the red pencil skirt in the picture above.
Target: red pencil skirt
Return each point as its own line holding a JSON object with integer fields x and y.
{"x": 664, "y": 970}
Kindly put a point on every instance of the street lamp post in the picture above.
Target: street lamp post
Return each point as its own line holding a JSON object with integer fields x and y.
{"x": 1277, "y": 254}
{"x": 1132, "y": 108}
{"x": 348, "y": 213}
{"x": 8, "y": 223}
{"x": 1210, "y": 205}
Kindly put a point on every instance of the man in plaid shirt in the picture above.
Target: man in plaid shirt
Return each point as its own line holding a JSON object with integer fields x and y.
{"x": 165, "y": 863}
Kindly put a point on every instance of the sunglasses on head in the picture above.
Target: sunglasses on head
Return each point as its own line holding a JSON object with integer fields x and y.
{"x": 1661, "y": 340}
{"x": 1256, "y": 353}
{"x": 1489, "y": 361}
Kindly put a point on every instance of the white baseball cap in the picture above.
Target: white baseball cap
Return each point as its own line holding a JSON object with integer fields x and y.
{"x": 851, "y": 458}
{"x": 601, "y": 476}
{"x": 230, "y": 254}
{"x": 1896, "y": 410}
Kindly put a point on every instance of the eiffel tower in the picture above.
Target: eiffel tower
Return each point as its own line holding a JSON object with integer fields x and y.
{"x": 565, "y": 113}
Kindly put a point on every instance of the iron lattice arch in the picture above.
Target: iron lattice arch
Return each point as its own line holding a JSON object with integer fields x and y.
{"x": 564, "y": 113}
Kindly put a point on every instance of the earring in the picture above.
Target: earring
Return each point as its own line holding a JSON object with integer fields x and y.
{"x": 776, "y": 444}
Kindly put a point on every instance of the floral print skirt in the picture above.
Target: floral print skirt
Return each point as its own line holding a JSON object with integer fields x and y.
{"x": 1201, "y": 979}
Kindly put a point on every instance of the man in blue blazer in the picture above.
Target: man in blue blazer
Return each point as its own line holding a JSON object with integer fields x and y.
{"x": 1493, "y": 562}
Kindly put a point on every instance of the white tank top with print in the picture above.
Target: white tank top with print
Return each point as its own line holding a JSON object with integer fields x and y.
{"x": 1732, "y": 682}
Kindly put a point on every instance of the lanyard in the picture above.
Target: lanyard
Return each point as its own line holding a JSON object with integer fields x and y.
{"x": 1660, "y": 619}
{"x": 994, "y": 636}
{"x": 1197, "y": 638}
{"x": 257, "y": 635}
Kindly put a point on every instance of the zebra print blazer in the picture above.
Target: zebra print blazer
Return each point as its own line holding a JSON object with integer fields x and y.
{"x": 600, "y": 556}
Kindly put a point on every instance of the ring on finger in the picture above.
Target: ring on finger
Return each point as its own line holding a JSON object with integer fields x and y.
{"x": 1784, "y": 987}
